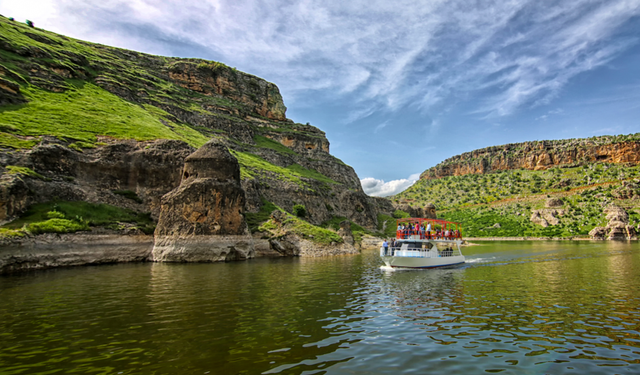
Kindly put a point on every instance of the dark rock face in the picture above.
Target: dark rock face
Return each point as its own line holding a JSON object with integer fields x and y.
{"x": 201, "y": 220}
{"x": 428, "y": 212}
{"x": 345, "y": 232}
{"x": 150, "y": 169}
{"x": 554, "y": 202}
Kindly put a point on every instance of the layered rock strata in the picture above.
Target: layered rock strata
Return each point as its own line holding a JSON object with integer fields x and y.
{"x": 201, "y": 220}
{"x": 617, "y": 228}
{"x": 148, "y": 169}
{"x": 61, "y": 250}
{"x": 539, "y": 156}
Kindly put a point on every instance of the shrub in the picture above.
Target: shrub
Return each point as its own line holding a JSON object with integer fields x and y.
{"x": 399, "y": 214}
{"x": 55, "y": 215}
{"x": 299, "y": 210}
{"x": 57, "y": 226}
{"x": 254, "y": 220}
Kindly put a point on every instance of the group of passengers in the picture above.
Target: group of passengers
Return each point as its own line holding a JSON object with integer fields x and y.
{"x": 404, "y": 231}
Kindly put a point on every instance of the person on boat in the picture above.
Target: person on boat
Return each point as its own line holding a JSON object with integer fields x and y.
{"x": 385, "y": 246}
{"x": 429, "y": 230}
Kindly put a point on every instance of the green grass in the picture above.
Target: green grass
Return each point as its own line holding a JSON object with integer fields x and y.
{"x": 252, "y": 165}
{"x": 357, "y": 230}
{"x": 86, "y": 110}
{"x": 390, "y": 229}
{"x": 10, "y": 140}
{"x": 310, "y": 173}
{"x": 264, "y": 142}
{"x": 311, "y": 232}
{"x": 254, "y": 220}
{"x": 14, "y": 169}
{"x": 473, "y": 189}
{"x": 261, "y": 222}
{"x": 82, "y": 212}
{"x": 509, "y": 197}
{"x": 57, "y": 226}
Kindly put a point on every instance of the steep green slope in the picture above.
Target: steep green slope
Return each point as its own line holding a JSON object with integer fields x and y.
{"x": 90, "y": 97}
{"x": 480, "y": 201}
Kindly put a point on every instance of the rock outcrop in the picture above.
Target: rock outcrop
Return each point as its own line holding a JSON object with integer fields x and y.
{"x": 554, "y": 202}
{"x": 62, "y": 250}
{"x": 617, "y": 228}
{"x": 546, "y": 217}
{"x": 201, "y": 220}
{"x": 540, "y": 155}
{"x": 148, "y": 169}
{"x": 628, "y": 190}
{"x": 281, "y": 162}
{"x": 286, "y": 241}
{"x": 428, "y": 212}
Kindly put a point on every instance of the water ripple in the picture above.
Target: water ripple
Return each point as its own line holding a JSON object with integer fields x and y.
{"x": 517, "y": 308}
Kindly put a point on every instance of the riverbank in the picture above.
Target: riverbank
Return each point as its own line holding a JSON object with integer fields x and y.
{"x": 73, "y": 249}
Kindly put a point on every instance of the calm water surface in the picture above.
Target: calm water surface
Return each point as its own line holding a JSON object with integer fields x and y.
{"x": 518, "y": 307}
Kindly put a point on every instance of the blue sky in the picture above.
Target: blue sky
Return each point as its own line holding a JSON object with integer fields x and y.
{"x": 398, "y": 86}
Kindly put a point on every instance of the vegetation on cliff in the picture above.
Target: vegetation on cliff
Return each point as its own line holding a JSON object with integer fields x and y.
{"x": 503, "y": 203}
{"x": 69, "y": 217}
{"x": 94, "y": 98}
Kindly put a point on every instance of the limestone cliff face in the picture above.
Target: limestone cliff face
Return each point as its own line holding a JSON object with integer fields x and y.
{"x": 149, "y": 169}
{"x": 201, "y": 220}
{"x": 209, "y": 78}
{"x": 539, "y": 156}
{"x": 282, "y": 162}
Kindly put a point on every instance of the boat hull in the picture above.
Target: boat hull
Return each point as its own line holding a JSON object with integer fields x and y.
{"x": 418, "y": 262}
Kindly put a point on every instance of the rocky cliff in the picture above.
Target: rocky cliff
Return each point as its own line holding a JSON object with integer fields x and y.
{"x": 87, "y": 122}
{"x": 540, "y": 156}
{"x": 201, "y": 220}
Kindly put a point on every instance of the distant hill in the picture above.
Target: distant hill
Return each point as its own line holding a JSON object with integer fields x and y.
{"x": 507, "y": 184}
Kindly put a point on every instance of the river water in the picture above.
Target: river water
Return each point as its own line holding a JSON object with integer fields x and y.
{"x": 514, "y": 308}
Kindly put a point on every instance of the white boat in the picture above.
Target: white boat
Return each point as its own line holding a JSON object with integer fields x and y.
{"x": 417, "y": 247}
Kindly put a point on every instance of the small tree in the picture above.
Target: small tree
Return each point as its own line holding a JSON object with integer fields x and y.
{"x": 30, "y": 24}
{"x": 299, "y": 210}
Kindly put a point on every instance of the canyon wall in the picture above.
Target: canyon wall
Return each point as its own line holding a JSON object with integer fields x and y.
{"x": 540, "y": 155}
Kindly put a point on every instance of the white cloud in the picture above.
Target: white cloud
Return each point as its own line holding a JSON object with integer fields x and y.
{"x": 510, "y": 53}
{"x": 379, "y": 188}
{"x": 381, "y": 126}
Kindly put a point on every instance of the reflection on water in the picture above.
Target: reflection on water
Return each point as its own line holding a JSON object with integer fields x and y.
{"x": 518, "y": 307}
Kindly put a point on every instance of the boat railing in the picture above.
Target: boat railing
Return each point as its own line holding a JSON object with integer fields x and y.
{"x": 423, "y": 235}
{"x": 419, "y": 253}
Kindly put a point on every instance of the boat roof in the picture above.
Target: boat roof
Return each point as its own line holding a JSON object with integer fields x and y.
{"x": 422, "y": 220}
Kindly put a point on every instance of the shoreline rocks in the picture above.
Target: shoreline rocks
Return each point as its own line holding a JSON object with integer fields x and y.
{"x": 617, "y": 229}
{"x": 73, "y": 249}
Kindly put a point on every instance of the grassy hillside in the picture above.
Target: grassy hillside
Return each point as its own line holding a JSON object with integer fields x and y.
{"x": 479, "y": 201}
{"x": 88, "y": 95}
{"x": 75, "y": 90}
